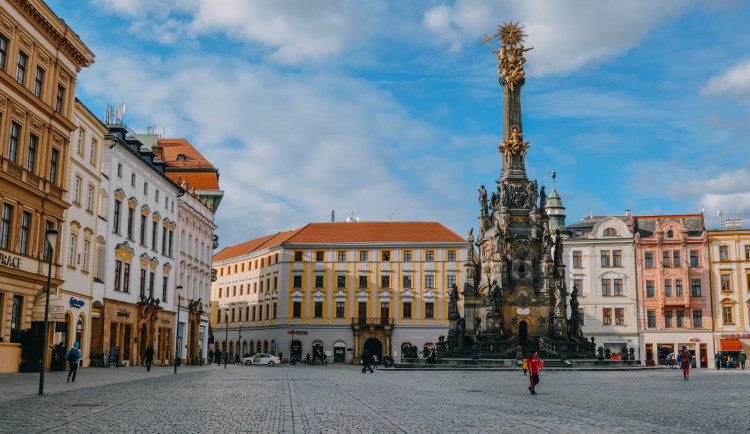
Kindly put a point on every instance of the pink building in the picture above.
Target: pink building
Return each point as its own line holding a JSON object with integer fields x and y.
{"x": 674, "y": 293}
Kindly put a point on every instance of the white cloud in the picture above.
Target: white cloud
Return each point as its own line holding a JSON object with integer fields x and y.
{"x": 733, "y": 84}
{"x": 566, "y": 35}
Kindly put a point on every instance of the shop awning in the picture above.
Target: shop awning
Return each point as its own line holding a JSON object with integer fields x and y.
{"x": 730, "y": 345}
{"x": 56, "y": 308}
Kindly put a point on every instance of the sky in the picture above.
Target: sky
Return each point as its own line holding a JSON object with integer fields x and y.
{"x": 391, "y": 109}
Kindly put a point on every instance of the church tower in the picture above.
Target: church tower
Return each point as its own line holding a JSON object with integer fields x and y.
{"x": 515, "y": 298}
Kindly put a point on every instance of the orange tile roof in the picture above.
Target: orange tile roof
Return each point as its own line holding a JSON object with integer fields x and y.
{"x": 196, "y": 170}
{"x": 197, "y": 180}
{"x": 359, "y": 232}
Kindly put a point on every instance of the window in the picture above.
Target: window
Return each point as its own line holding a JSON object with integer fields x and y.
{"x": 429, "y": 281}
{"x": 60, "y": 98}
{"x": 72, "y": 252}
{"x": 680, "y": 318}
{"x": 363, "y": 255}
{"x": 362, "y": 281}
{"x": 619, "y": 316}
{"x": 151, "y": 276}
{"x": 92, "y": 154}
{"x": 676, "y": 258}
{"x": 678, "y": 288}
{"x": 79, "y": 145}
{"x": 618, "y": 286}
{"x": 728, "y": 314}
{"x": 164, "y": 241}
{"x": 577, "y": 259}
{"x": 143, "y": 282}
{"x": 406, "y": 309}
{"x": 694, "y": 258}
{"x": 429, "y": 256}
{"x": 668, "y": 319}
{"x": 726, "y": 283}
{"x": 21, "y": 70}
{"x": 89, "y": 198}
{"x": 668, "y": 288}
{"x": 617, "y": 258}
{"x": 296, "y": 281}
{"x": 131, "y": 215}
{"x": 651, "y": 319}
{"x": 297, "y": 256}
{"x": 31, "y": 155}
{"x": 126, "y": 278}
{"x": 3, "y": 52}
{"x": 143, "y": 229}
{"x": 342, "y": 255}
{"x": 46, "y": 252}
{"x": 451, "y": 280}
{"x": 341, "y": 281}
{"x": 407, "y": 255}
{"x": 670, "y": 234}
{"x": 610, "y": 232}
{"x": 451, "y": 255}
{"x": 606, "y": 287}
{"x": 650, "y": 289}
{"x": 723, "y": 253}
{"x": 171, "y": 243}
{"x": 578, "y": 286}
{"x": 16, "y": 316}
{"x": 385, "y": 255}
{"x": 318, "y": 309}
{"x": 697, "y": 319}
{"x": 429, "y": 309}
{"x": 275, "y": 309}
{"x": 318, "y": 281}
{"x": 154, "y": 234}
{"x": 320, "y": 255}
{"x": 340, "y": 309}
{"x": 116, "y": 217}
{"x": 385, "y": 281}
{"x": 275, "y": 282}
{"x": 695, "y": 288}
{"x": 649, "y": 259}
{"x": 607, "y": 316}
{"x": 605, "y": 258}
{"x": 665, "y": 258}
{"x": 15, "y": 133}
{"x": 296, "y": 309}
{"x": 118, "y": 270}
{"x": 6, "y": 226}
{"x": 25, "y": 226}
{"x": 407, "y": 282}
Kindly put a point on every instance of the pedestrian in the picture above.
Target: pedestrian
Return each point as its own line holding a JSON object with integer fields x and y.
{"x": 525, "y": 366}
{"x": 374, "y": 360}
{"x": 742, "y": 358}
{"x": 210, "y": 355}
{"x": 149, "y": 357}
{"x": 366, "y": 359}
{"x": 74, "y": 356}
{"x": 218, "y": 357}
{"x": 307, "y": 359}
{"x": 685, "y": 362}
{"x": 717, "y": 361}
{"x": 533, "y": 365}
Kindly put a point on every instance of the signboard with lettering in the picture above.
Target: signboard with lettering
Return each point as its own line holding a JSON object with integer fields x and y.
{"x": 95, "y": 312}
{"x": 114, "y": 354}
{"x": 735, "y": 335}
{"x": 123, "y": 312}
{"x": 56, "y": 313}
{"x": 74, "y": 302}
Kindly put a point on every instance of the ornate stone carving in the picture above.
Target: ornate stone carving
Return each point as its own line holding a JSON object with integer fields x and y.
{"x": 483, "y": 200}
{"x": 521, "y": 247}
{"x": 515, "y": 144}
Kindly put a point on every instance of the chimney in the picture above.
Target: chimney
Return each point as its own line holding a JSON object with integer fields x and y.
{"x": 627, "y": 213}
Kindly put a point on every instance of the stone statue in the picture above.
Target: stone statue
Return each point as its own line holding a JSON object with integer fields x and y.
{"x": 504, "y": 195}
{"x": 559, "y": 297}
{"x": 493, "y": 200}
{"x": 453, "y": 302}
{"x": 574, "y": 324}
{"x": 514, "y": 324}
{"x": 483, "y": 200}
{"x": 542, "y": 198}
{"x": 546, "y": 243}
{"x": 495, "y": 296}
{"x": 531, "y": 195}
{"x": 477, "y": 323}
{"x": 470, "y": 256}
{"x": 542, "y": 325}
{"x": 462, "y": 325}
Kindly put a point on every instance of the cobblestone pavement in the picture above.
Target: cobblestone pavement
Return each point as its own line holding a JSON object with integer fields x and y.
{"x": 300, "y": 399}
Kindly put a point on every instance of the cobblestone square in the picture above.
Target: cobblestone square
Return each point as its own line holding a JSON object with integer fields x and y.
{"x": 301, "y": 399}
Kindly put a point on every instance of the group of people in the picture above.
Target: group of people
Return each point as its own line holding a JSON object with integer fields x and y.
{"x": 729, "y": 361}
{"x": 217, "y": 356}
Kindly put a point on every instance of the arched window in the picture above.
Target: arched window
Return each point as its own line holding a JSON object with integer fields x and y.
{"x": 670, "y": 234}
{"x": 610, "y": 232}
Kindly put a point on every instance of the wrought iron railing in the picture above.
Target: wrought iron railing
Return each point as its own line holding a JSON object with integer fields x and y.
{"x": 372, "y": 320}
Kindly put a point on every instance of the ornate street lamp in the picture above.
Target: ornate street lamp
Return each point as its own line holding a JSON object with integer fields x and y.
{"x": 51, "y": 237}
{"x": 226, "y": 336}
{"x": 239, "y": 343}
{"x": 177, "y": 329}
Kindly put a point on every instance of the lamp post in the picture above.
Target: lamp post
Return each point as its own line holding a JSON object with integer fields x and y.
{"x": 177, "y": 330}
{"x": 51, "y": 237}
{"x": 291, "y": 349}
{"x": 226, "y": 337}
{"x": 239, "y": 342}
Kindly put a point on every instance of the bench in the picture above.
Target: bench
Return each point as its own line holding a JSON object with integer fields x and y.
{"x": 672, "y": 363}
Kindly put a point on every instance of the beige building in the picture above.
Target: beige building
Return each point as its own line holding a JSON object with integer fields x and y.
{"x": 40, "y": 58}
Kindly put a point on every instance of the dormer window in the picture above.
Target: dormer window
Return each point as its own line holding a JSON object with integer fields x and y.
{"x": 181, "y": 157}
{"x": 670, "y": 234}
{"x": 610, "y": 232}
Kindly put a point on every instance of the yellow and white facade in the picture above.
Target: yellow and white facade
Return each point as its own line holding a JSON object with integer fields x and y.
{"x": 337, "y": 288}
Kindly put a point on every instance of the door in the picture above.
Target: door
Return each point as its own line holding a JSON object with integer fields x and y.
{"x": 374, "y": 347}
{"x": 704, "y": 356}
{"x": 339, "y": 353}
{"x": 523, "y": 333}
{"x": 385, "y": 312}
{"x": 126, "y": 343}
{"x": 317, "y": 351}
{"x": 362, "y": 312}
{"x": 295, "y": 350}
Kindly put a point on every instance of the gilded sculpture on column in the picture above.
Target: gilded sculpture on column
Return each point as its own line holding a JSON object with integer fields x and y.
{"x": 510, "y": 56}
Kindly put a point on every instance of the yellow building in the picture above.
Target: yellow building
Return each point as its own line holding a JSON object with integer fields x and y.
{"x": 730, "y": 287}
{"x": 337, "y": 289}
{"x": 40, "y": 58}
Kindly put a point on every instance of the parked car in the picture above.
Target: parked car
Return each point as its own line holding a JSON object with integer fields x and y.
{"x": 261, "y": 359}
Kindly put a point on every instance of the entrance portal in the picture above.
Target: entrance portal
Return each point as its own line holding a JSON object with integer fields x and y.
{"x": 374, "y": 347}
{"x": 523, "y": 333}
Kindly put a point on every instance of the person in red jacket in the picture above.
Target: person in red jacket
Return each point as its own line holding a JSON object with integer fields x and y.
{"x": 533, "y": 363}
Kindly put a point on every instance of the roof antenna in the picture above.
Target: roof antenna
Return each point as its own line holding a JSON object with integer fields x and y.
{"x": 554, "y": 175}
{"x": 390, "y": 217}
{"x": 333, "y": 215}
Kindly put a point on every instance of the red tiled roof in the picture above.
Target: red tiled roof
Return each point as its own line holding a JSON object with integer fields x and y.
{"x": 196, "y": 180}
{"x": 168, "y": 150}
{"x": 360, "y": 232}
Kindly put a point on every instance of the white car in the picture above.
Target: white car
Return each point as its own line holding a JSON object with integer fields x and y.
{"x": 261, "y": 359}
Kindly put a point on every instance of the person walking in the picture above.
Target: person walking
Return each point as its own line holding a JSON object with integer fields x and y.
{"x": 366, "y": 359}
{"x": 685, "y": 362}
{"x": 533, "y": 365}
{"x": 218, "y": 357}
{"x": 210, "y": 355}
{"x": 717, "y": 361}
{"x": 149, "y": 357}
{"x": 74, "y": 357}
{"x": 525, "y": 366}
{"x": 742, "y": 358}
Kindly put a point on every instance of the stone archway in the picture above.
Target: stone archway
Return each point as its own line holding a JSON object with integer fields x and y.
{"x": 374, "y": 347}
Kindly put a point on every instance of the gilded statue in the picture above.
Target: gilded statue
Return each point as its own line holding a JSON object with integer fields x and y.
{"x": 510, "y": 56}
{"x": 515, "y": 144}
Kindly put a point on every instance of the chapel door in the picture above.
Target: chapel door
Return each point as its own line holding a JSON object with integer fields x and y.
{"x": 523, "y": 333}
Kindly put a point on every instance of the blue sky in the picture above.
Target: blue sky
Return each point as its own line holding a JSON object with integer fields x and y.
{"x": 391, "y": 109}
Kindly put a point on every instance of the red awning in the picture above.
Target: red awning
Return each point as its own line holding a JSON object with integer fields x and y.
{"x": 730, "y": 345}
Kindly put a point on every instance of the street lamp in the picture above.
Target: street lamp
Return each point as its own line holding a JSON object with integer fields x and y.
{"x": 291, "y": 349}
{"x": 226, "y": 336}
{"x": 51, "y": 237}
{"x": 177, "y": 329}
{"x": 239, "y": 342}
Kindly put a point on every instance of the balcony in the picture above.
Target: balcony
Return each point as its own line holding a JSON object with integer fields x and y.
{"x": 371, "y": 321}
{"x": 682, "y": 301}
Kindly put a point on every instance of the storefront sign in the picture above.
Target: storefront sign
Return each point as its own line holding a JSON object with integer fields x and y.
{"x": 165, "y": 321}
{"x": 695, "y": 340}
{"x": 297, "y": 332}
{"x": 76, "y": 303}
{"x": 735, "y": 335}
{"x": 56, "y": 313}
{"x": 10, "y": 261}
{"x": 123, "y": 312}
{"x": 95, "y": 312}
